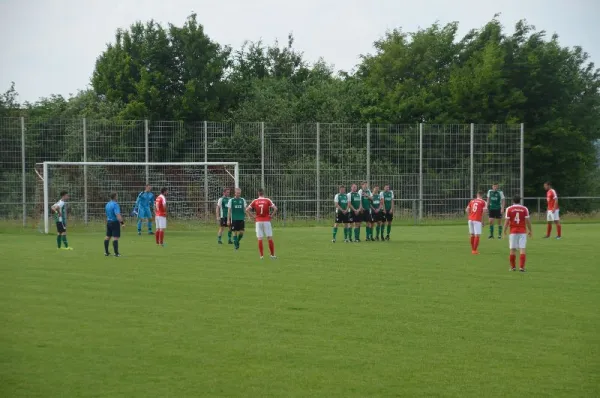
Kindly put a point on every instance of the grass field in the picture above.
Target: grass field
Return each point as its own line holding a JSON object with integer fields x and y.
{"x": 416, "y": 316}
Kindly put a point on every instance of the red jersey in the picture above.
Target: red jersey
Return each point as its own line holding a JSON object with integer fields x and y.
{"x": 160, "y": 206}
{"x": 517, "y": 214}
{"x": 476, "y": 208}
{"x": 262, "y": 207}
{"x": 551, "y": 198}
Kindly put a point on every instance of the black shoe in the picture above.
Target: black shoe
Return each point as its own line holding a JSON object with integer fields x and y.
{"x": 106, "y": 254}
{"x": 387, "y": 237}
{"x": 357, "y": 240}
{"x": 500, "y": 237}
{"x": 522, "y": 270}
{"x": 219, "y": 242}
{"x": 150, "y": 233}
{"x": 377, "y": 239}
{"x": 117, "y": 255}
{"x": 230, "y": 242}
{"x": 491, "y": 237}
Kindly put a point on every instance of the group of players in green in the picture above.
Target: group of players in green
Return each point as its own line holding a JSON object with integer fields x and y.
{"x": 374, "y": 208}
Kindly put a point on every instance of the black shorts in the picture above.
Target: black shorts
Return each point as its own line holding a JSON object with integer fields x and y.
{"x": 378, "y": 217}
{"x": 341, "y": 218}
{"x": 113, "y": 229}
{"x": 495, "y": 213}
{"x": 366, "y": 216}
{"x": 223, "y": 222}
{"x": 238, "y": 225}
{"x": 387, "y": 216}
{"x": 61, "y": 228}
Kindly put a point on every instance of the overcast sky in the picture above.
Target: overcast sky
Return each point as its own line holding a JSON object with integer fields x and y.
{"x": 50, "y": 46}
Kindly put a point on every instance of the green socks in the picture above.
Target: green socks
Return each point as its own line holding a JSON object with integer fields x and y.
{"x": 356, "y": 233}
{"x": 64, "y": 239}
{"x": 58, "y": 240}
{"x": 334, "y": 232}
{"x": 377, "y": 231}
{"x": 229, "y": 235}
{"x": 491, "y": 229}
{"x": 389, "y": 228}
{"x": 235, "y": 241}
{"x": 240, "y": 236}
{"x": 499, "y": 230}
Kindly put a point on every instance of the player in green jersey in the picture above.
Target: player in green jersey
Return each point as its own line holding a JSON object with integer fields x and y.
{"x": 365, "y": 197}
{"x": 341, "y": 214}
{"x": 495, "y": 204}
{"x": 354, "y": 203}
{"x": 377, "y": 213}
{"x": 236, "y": 216}
{"x": 222, "y": 211}
{"x": 59, "y": 210}
{"x": 387, "y": 196}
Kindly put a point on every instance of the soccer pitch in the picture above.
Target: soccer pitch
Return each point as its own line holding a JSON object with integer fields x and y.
{"x": 416, "y": 316}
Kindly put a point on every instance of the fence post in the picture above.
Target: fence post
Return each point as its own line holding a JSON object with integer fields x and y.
{"x": 147, "y": 149}
{"x": 283, "y": 212}
{"x": 85, "y": 173}
{"x": 369, "y": 154}
{"x": 206, "y": 170}
{"x": 539, "y": 208}
{"x": 24, "y": 175}
{"x": 318, "y": 171}
{"x": 262, "y": 155}
{"x": 522, "y": 162}
{"x": 472, "y": 159}
{"x": 414, "y": 210}
{"x": 420, "y": 171}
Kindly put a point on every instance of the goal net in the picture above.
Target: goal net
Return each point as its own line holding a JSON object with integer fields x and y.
{"x": 194, "y": 187}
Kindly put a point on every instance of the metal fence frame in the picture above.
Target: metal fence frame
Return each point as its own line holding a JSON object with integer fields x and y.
{"x": 318, "y": 153}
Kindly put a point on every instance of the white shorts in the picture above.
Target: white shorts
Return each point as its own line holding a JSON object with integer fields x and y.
{"x": 517, "y": 241}
{"x": 161, "y": 222}
{"x": 475, "y": 227}
{"x": 553, "y": 215}
{"x": 263, "y": 228}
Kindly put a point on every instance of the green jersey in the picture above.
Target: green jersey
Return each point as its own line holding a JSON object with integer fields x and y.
{"x": 495, "y": 198}
{"x": 341, "y": 199}
{"x": 237, "y": 207}
{"x": 388, "y": 199}
{"x": 365, "y": 198}
{"x": 376, "y": 202}
{"x": 222, "y": 203}
{"x": 60, "y": 215}
{"x": 354, "y": 198}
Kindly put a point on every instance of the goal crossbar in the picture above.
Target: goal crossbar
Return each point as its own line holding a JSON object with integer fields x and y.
{"x": 46, "y": 165}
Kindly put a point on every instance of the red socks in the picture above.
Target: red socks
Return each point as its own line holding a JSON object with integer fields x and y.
{"x": 548, "y": 229}
{"x": 472, "y": 242}
{"x": 160, "y": 236}
{"x": 559, "y": 230}
{"x": 476, "y": 243}
{"x": 513, "y": 260}
{"x": 272, "y": 247}
{"x": 522, "y": 261}
{"x": 260, "y": 247}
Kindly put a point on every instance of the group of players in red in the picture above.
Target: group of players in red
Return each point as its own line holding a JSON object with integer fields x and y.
{"x": 517, "y": 224}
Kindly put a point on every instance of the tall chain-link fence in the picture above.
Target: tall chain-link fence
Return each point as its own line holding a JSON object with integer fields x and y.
{"x": 432, "y": 169}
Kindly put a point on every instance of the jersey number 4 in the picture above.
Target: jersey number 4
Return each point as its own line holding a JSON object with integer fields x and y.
{"x": 518, "y": 218}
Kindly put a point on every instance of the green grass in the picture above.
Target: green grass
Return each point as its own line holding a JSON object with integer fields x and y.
{"x": 416, "y": 316}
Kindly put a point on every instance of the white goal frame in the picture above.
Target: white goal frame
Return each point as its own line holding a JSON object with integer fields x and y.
{"x": 236, "y": 177}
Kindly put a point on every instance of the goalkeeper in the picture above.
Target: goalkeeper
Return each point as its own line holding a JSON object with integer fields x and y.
{"x": 143, "y": 204}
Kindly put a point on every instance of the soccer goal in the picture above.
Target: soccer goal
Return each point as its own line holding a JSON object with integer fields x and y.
{"x": 193, "y": 187}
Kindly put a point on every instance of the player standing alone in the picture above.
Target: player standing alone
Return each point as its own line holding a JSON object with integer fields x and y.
{"x": 59, "y": 209}
{"x": 517, "y": 219}
{"x": 552, "y": 215}
{"x": 236, "y": 215}
{"x": 262, "y": 208}
{"x": 341, "y": 214}
{"x": 475, "y": 211}
{"x": 388, "y": 209}
{"x": 222, "y": 216}
{"x": 495, "y": 204}
{"x": 114, "y": 221}
{"x": 143, "y": 205}
{"x": 160, "y": 208}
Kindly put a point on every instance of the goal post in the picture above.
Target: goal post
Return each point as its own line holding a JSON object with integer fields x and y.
{"x": 192, "y": 186}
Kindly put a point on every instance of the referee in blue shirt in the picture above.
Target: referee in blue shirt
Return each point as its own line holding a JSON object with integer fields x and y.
{"x": 114, "y": 220}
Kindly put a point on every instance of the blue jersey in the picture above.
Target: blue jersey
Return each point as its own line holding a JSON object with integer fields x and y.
{"x": 145, "y": 200}
{"x": 112, "y": 209}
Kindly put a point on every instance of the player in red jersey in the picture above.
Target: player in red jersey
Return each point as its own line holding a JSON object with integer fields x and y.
{"x": 552, "y": 215}
{"x": 517, "y": 218}
{"x": 160, "y": 206}
{"x": 262, "y": 210}
{"x": 475, "y": 211}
